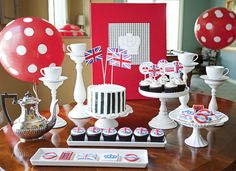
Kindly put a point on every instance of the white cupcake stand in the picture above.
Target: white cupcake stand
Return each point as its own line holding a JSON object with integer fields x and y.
{"x": 53, "y": 86}
{"x": 108, "y": 120}
{"x": 162, "y": 120}
{"x": 195, "y": 139}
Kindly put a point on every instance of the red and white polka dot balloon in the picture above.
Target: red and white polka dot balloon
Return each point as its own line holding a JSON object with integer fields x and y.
{"x": 216, "y": 28}
{"x": 29, "y": 44}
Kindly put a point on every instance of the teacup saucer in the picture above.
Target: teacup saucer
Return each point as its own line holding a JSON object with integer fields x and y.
{"x": 190, "y": 65}
{"x": 74, "y": 55}
{"x": 205, "y": 77}
{"x": 62, "y": 78}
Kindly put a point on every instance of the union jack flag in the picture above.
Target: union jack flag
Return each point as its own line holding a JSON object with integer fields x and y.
{"x": 152, "y": 70}
{"x": 121, "y": 59}
{"x": 111, "y": 52}
{"x": 177, "y": 66}
{"x": 93, "y": 55}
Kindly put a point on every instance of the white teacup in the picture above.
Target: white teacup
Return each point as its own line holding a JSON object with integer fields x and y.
{"x": 216, "y": 72}
{"x": 51, "y": 73}
{"x": 77, "y": 49}
{"x": 187, "y": 58}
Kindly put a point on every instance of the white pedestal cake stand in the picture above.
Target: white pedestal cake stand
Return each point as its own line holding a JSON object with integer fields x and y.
{"x": 53, "y": 86}
{"x": 195, "y": 139}
{"x": 79, "y": 110}
{"x": 162, "y": 120}
{"x": 184, "y": 99}
{"x": 214, "y": 84}
{"x": 108, "y": 120}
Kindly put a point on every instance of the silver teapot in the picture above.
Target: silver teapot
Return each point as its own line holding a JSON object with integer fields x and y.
{"x": 30, "y": 124}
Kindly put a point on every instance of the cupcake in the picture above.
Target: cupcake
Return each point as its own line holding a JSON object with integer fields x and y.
{"x": 144, "y": 85}
{"x": 156, "y": 87}
{"x": 141, "y": 134}
{"x": 109, "y": 134}
{"x": 125, "y": 134}
{"x": 163, "y": 80}
{"x": 170, "y": 87}
{"x": 157, "y": 135}
{"x": 180, "y": 84}
{"x": 77, "y": 134}
{"x": 93, "y": 134}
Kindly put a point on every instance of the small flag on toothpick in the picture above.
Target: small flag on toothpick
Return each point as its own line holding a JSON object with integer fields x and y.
{"x": 93, "y": 55}
{"x": 121, "y": 59}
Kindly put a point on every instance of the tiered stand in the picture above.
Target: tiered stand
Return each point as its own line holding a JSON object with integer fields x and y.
{"x": 162, "y": 120}
{"x": 195, "y": 139}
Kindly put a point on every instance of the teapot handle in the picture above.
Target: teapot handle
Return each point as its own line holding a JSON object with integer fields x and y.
{"x": 3, "y": 100}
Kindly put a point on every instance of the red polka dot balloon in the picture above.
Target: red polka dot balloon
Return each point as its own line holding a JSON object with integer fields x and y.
{"x": 29, "y": 44}
{"x": 216, "y": 28}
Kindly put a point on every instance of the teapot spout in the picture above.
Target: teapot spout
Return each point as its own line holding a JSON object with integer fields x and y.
{"x": 53, "y": 118}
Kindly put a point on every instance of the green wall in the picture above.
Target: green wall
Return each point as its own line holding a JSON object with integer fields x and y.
{"x": 227, "y": 58}
{"x": 191, "y": 11}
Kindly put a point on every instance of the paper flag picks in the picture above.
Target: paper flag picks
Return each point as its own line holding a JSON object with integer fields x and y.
{"x": 121, "y": 59}
{"x": 93, "y": 55}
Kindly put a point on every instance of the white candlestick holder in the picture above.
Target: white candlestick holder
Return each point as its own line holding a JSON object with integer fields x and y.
{"x": 79, "y": 110}
{"x": 184, "y": 99}
{"x": 213, "y": 84}
{"x": 53, "y": 86}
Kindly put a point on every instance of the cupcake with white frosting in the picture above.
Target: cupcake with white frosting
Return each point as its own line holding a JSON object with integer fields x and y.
{"x": 77, "y": 134}
{"x": 141, "y": 134}
{"x": 156, "y": 87}
{"x": 144, "y": 85}
{"x": 125, "y": 134}
{"x": 180, "y": 84}
{"x": 163, "y": 80}
{"x": 170, "y": 87}
{"x": 93, "y": 134}
{"x": 109, "y": 134}
{"x": 157, "y": 135}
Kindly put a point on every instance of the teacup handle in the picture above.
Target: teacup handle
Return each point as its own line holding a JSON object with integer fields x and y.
{"x": 227, "y": 71}
{"x": 68, "y": 48}
{"x": 42, "y": 71}
{"x": 196, "y": 57}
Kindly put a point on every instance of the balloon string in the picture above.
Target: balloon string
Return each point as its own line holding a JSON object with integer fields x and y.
{"x": 35, "y": 90}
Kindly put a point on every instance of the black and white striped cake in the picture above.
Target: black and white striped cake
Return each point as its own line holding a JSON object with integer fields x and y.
{"x": 106, "y": 99}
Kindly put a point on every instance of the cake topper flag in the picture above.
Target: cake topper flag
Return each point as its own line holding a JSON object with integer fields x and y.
{"x": 93, "y": 55}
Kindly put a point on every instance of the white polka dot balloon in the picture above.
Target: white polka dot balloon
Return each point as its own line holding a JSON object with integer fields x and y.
{"x": 29, "y": 44}
{"x": 216, "y": 28}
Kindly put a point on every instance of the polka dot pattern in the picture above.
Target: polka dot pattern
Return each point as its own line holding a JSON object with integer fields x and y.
{"x": 13, "y": 71}
{"x": 209, "y": 26}
{"x": 29, "y": 44}
{"x": 27, "y": 20}
{"x": 29, "y": 31}
{"x": 49, "y": 31}
{"x": 217, "y": 28}
{"x": 8, "y": 35}
{"x": 52, "y": 65}
{"x": 217, "y": 39}
{"x": 42, "y": 49}
{"x": 32, "y": 68}
{"x": 21, "y": 50}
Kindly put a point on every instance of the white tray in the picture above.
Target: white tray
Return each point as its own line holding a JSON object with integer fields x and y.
{"x": 116, "y": 143}
{"x": 37, "y": 159}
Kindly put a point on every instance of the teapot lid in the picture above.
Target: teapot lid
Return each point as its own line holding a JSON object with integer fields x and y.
{"x": 28, "y": 99}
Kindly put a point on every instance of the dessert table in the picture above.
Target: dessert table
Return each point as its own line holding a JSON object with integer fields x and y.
{"x": 218, "y": 155}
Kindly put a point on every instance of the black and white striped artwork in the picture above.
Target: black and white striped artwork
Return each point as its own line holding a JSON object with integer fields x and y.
{"x": 135, "y": 37}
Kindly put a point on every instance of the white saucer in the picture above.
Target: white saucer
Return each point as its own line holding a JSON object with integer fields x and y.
{"x": 205, "y": 77}
{"x": 62, "y": 78}
{"x": 190, "y": 65}
{"x": 74, "y": 55}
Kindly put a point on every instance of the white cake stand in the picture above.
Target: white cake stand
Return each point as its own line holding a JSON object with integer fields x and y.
{"x": 195, "y": 139}
{"x": 79, "y": 110}
{"x": 214, "y": 84}
{"x": 108, "y": 120}
{"x": 184, "y": 99}
{"x": 162, "y": 120}
{"x": 53, "y": 86}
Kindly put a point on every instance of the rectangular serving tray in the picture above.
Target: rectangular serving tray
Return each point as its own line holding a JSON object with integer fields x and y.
{"x": 116, "y": 143}
{"x": 37, "y": 159}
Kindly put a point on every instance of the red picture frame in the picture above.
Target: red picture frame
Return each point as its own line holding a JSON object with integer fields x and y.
{"x": 104, "y": 13}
